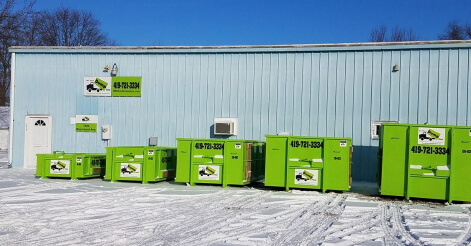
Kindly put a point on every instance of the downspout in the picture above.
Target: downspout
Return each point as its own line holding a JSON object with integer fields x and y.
{"x": 12, "y": 108}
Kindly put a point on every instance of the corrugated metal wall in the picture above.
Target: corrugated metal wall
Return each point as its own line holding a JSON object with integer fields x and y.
{"x": 315, "y": 93}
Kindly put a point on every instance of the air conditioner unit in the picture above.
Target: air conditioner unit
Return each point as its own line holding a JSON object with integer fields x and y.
{"x": 225, "y": 126}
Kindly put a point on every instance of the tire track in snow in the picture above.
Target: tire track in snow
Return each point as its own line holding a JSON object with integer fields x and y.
{"x": 393, "y": 227}
{"x": 298, "y": 226}
{"x": 323, "y": 221}
{"x": 224, "y": 212}
{"x": 366, "y": 221}
{"x": 465, "y": 237}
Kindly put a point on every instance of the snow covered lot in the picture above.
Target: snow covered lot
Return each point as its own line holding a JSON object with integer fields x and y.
{"x": 3, "y": 158}
{"x": 94, "y": 212}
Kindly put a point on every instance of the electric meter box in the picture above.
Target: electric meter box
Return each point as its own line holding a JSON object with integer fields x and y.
{"x": 425, "y": 161}
{"x": 220, "y": 161}
{"x": 320, "y": 163}
{"x": 141, "y": 163}
{"x": 70, "y": 165}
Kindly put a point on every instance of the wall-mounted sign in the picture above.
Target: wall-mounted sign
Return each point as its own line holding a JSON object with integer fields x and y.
{"x": 126, "y": 87}
{"x": 97, "y": 86}
{"x": 112, "y": 86}
{"x": 86, "y": 123}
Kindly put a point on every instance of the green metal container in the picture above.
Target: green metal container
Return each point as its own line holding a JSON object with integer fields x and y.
{"x": 308, "y": 162}
{"x": 460, "y": 181}
{"x": 220, "y": 161}
{"x": 425, "y": 161}
{"x": 141, "y": 163}
{"x": 70, "y": 165}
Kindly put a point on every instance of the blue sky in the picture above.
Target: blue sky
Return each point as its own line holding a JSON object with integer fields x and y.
{"x": 252, "y": 22}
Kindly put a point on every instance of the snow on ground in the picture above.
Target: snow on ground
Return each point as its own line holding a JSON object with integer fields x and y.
{"x": 4, "y": 117}
{"x": 95, "y": 212}
{"x": 3, "y": 158}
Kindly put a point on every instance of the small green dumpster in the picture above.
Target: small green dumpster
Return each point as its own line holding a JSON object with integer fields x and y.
{"x": 425, "y": 161}
{"x": 220, "y": 161}
{"x": 70, "y": 165}
{"x": 308, "y": 162}
{"x": 140, "y": 163}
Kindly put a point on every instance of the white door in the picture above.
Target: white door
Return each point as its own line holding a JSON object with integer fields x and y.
{"x": 38, "y": 136}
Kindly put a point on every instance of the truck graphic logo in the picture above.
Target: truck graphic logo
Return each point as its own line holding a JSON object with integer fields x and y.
{"x": 299, "y": 176}
{"x": 128, "y": 169}
{"x": 99, "y": 83}
{"x": 308, "y": 175}
{"x": 208, "y": 171}
{"x": 58, "y": 166}
{"x": 430, "y": 135}
{"x": 305, "y": 175}
{"x": 86, "y": 118}
{"x": 433, "y": 134}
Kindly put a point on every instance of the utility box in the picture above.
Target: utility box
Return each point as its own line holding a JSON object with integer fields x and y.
{"x": 425, "y": 161}
{"x": 141, "y": 163}
{"x": 308, "y": 162}
{"x": 220, "y": 161}
{"x": 70, "y": 165}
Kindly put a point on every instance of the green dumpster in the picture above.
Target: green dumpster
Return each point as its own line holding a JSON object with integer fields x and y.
{"x": 460, "y": 181}
{"x": 140, "y": 163}
{"x": 321, "y": 163}
{"x": 220, "y": 161}
{"x": 425, "y": 161}
{"x": 70, "y": 165}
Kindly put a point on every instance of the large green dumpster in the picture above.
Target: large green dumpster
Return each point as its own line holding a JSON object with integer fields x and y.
{"x": 425, "y": 161}
{"x": 70, "y": 165}
{"x": 460, "y": 181}
{"x": 308, "y": 162}
{"x": 220, "y": 161}
{"x": 140, "y": 163}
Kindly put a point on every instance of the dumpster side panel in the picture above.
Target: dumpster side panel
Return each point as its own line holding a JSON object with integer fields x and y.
{"x": 394, "y": 156}
{"x": 109, "y": 163}
{"x": 151, "y": 164}
{"x": 336, "y": 164}
{"x": 461, "y": 165}
{"x": 39, "y": 165}
{"x": 428, "y": 162}
{"x": 275, "y": 169}
{"x": 234, "y": 168}
{"x": 80, "y": 166}
{"x": 183, "y": 161}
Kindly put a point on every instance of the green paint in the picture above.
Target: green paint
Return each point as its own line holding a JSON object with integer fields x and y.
{"x": 433, "y": 134}
{"x": 126, "y": 87}
{"x": 394, "y": 153}
{"x": 155, "y": 163}
{"x": 411, "y": 168}
{"x": 101, "y": 83}
{"x": 86, "y": 127}
{"x": 308, "y": 162}
{"x": 239, "y": 162}
{"x": 81, "y": 165}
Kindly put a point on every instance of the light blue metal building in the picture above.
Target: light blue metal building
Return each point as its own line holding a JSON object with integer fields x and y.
{"x": 333, "y": 90}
